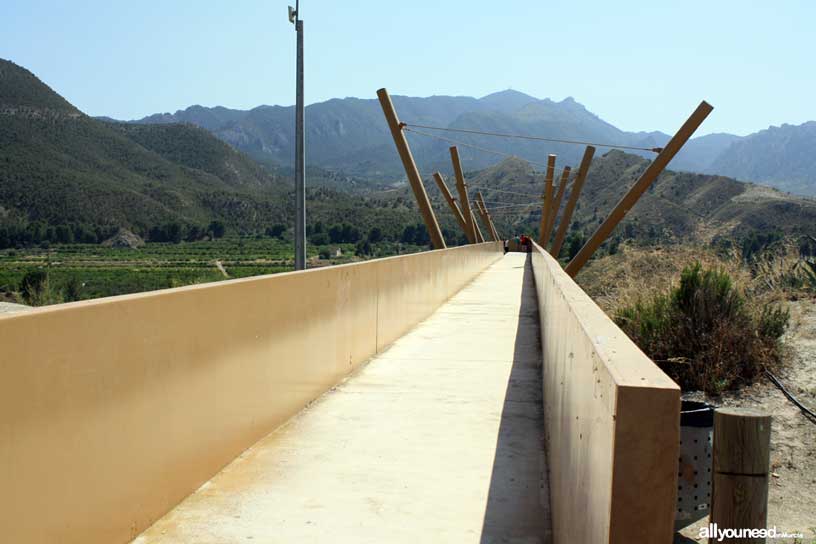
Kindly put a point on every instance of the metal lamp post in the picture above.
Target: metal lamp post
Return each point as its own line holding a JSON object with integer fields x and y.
{"x": 300, "y": 147}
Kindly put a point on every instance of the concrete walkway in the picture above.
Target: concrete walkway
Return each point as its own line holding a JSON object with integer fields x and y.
{"x": 437, "y": 439}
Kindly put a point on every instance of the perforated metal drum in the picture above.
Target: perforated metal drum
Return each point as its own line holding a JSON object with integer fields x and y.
{"x": 694, "y": 481}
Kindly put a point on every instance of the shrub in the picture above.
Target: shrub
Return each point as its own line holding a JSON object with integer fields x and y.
{"x": 217, "y": 229}
{"x": 276, "y": 230}
{"x": 704, "y": 333}
{"x": 35, "y": 289}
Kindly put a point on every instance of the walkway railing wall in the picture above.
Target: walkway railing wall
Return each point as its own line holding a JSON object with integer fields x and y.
{"x": 612, "y": 421}
{"x": 114, "y": 410}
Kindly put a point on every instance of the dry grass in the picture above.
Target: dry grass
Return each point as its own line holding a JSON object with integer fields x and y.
{"x": 733, "y": 338}
{"x": 621, "y": 280}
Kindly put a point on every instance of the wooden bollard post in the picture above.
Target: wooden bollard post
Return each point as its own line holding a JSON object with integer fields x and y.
{"x": 742, "y": 444}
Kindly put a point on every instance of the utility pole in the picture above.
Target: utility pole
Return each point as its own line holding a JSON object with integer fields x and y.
{"x": 300, "y": 147}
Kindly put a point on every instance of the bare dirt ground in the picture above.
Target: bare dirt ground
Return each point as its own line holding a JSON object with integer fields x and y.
{"x": 792, "y": 493}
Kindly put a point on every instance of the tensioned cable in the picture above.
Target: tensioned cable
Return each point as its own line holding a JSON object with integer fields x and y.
{"x": 536, "y": 138}
{"x": 515, "y": 206}
{"x": 463, "y": 144}
{"x": 499, "y": 206}
{"x": 503, "y": 191}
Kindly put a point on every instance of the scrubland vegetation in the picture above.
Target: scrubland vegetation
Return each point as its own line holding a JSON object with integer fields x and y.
{"x": 711, "y": 317}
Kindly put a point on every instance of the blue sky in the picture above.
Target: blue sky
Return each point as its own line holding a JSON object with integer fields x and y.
{"x": 639, "y": 65}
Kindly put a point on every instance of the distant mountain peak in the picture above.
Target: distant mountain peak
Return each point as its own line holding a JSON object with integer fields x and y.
{"x": 507, "y": 100}
{"x": 20, "y": 89}
{"x": 507, "y": 94}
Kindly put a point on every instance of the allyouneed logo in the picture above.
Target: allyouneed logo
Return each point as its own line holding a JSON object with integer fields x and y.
{"x": 718, "y": 534}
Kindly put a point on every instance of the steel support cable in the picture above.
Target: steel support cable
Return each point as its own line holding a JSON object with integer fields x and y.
{"x": 534, "y": 138}
{"x": 484, "y": 149}
{"x": 514, "y": 206}
{"x": 536, "y": 198}
{"x": 504, "y": 191}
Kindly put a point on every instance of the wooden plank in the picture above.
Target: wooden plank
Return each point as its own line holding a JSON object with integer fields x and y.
{"x": 640, "y": 186}
{"x": 556, "y": 204}
{"x": 546, "y": 198}
{"x": 411, "y": 170}
{"x": 572, "y": 201}
{"x": 457, "y": 213}
{"x": 461, "y": 187}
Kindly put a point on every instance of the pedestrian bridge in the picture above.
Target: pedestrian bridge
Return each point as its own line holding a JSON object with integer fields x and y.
{"x": 458, "y": 395}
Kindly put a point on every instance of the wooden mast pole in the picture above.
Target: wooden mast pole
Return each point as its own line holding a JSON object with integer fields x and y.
{"x": 464, "y": 200}
{"x": 562, "y": 186}
{"x": 575, "y": 192}
{"x": 457, "y": 213}
{"x": 479, "y": 237}
{"x": 546, "y": 199}
{"x": 411, "y": 170}
{"x": 485, "y": 217}
{"x": 640, "y": 186}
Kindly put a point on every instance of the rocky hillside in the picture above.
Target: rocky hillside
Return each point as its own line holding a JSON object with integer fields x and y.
{"x": 61, "y": 168}
{"x": 679, "y": 206}
{"x": 783, "y": 157}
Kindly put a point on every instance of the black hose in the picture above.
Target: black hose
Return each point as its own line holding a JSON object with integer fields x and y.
{"x": 810, "y": 414}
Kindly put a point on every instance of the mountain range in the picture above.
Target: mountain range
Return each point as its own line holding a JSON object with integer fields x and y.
{"x": 349, "y": 135}
{"x": 60, "y": 167}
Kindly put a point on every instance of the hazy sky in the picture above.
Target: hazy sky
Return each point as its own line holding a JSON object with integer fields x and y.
{"x": 639, "y": 65}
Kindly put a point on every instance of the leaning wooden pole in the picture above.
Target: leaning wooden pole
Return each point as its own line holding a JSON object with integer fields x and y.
{"x": 546, "y": 199}
{"x": 556, "y": 203}
{"x": 637, "y": 190}
{"x": 575, "y": 192}
{"x": 478, "y": 231}
{"x": 411, "y": 170}
{"x": 485, "y": 217}
{"x": 457, "y": 213}
{"x": 490, "y": 224}
{"x": 461, "y": 188}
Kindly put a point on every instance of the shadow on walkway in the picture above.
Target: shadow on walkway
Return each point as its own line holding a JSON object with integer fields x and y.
{"x": 518, "y": 500}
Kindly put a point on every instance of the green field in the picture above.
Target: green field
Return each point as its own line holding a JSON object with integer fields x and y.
{"x": 85, "y": 271}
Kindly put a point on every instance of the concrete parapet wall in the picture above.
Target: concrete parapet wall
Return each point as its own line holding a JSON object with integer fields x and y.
{"x": 114, "y": 410}
{"x": 612, "y": 421}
